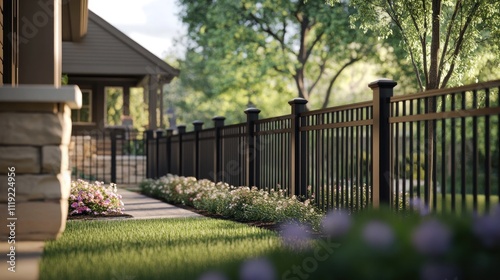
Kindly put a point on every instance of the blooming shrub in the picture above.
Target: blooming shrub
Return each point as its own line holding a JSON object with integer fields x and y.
{"x": 94, "y": 199}
{"x": 239, "y": 203}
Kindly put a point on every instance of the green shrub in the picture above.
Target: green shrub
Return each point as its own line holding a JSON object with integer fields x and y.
{"x": 242, "y": 203}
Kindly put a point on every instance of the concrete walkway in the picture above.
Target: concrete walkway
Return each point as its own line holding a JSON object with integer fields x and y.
{"x": 143, "y": 207}
{"x": 29, "y": 253}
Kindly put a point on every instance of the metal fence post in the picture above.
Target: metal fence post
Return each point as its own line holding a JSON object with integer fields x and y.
{"x": 113, "y": 155}
{"x": 218, "y": 124}
{"x": 149, "y": 135}
{"x": 168, "y": 149}
{"x": 251, "y": 149}
{"x": 159, "y": 134}
{"x": 298, "y": 183}
{"x": 181, "y": 129}
{"x": 382, "y": 175}
{"x": 198, "y": 126}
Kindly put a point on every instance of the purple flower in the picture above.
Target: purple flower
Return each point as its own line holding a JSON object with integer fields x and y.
{"x": 431, "y": 238}
{"x": 74, "y": 204}
{"x": 213, "y": 275}
{"x": 257, "y": 269}
{"x": 336, "y": 223}
{"x": 378, "y": 235}
{"x": 487, "y": 229}
{"x": 295, "y": 236}
{"x": 419, "y": 205}
{"x": 437, "y": 271}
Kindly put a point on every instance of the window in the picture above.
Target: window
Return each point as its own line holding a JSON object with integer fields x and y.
{"x": 83, "y": 115}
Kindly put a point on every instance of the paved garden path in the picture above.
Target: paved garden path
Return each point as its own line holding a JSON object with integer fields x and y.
{"x": 143, "y": 207}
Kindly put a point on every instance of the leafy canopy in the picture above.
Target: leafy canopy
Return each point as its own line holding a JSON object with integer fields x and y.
{"x": 289, "y": 46}
{"x": 447, "y": 41}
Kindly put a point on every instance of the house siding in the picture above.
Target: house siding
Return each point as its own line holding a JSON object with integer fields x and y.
{"x": 102, "y": 52}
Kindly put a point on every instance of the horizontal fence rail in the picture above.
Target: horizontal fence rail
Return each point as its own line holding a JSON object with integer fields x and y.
{"x": 338, "y": 156}
{"x": 446, "y": 148}
{"x": 116, "y": 155}
{"x": 440, "y": 147}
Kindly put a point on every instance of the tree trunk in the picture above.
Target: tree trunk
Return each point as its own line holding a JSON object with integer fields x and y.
{"x": 432, "y": 83}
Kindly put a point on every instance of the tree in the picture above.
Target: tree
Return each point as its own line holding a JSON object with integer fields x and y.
{"x": 443, "y": 38}
{"x": 241, "y": 43}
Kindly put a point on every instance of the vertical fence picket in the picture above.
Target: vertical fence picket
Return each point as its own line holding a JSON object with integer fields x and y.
{"x": 366, "y": 154}
{"x": 198, "y": 126}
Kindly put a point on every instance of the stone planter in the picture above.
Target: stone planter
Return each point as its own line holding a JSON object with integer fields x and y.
{"x": 35, "y": 131}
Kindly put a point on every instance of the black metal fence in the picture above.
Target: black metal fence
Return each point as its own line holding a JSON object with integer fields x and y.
{"x": 441, "y": 146}
{"x": 111, "y": 155}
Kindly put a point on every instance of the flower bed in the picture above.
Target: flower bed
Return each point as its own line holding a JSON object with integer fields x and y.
{"x": 94, "y": 199}
{"x": 238, "y": 203}
{"x": 375, "y": 244}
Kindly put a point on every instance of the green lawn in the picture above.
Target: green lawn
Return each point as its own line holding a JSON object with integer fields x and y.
{"x": 152, "y": 249}
{"x": 469, "y": 202}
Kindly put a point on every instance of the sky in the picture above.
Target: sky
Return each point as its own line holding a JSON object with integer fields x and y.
{"x": 154, "y": 24}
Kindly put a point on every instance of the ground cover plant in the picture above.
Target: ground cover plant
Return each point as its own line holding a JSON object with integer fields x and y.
{"x": 87, "y": 198}
{"x": 238, "y": 203}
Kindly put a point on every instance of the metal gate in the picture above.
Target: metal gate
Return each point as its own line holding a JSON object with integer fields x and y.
{"x": 114, "y": 155}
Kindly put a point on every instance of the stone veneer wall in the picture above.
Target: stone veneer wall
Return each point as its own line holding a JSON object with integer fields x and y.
{"x": 34, "y": 138}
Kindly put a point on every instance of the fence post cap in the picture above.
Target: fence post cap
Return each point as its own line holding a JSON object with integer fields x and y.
{"x": 159, "y": 132}
{"x": 197, "y": 122}
{"x": 252, "y": 111}
{"x": 382, "y": 83}
{"x": 297, "y": 100}
{"x": 218, "y": 118}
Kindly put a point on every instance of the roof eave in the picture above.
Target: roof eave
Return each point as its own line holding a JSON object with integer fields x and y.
{"x": 75, "y": 15}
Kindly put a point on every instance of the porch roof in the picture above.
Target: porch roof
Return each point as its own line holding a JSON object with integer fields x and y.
{"x": 106, "y": 51}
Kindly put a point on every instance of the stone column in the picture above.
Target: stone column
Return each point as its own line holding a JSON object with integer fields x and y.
{"x": 35, "y": 125}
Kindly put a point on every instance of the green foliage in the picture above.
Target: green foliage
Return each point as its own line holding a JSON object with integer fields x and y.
{"x": 138, "y": 109}
{"x": 243, "y": 203}
{"x": 448, "y": 42}
{"x": 64, "y": 79}
{"x": 114, "y": 105}
{"x": 259, "y": 49}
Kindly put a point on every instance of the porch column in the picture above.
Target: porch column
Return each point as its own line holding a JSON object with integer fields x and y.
{"x": 153, "y": 100}
{"x": 40, "y": 42}
{"x": 160, "y": 96}
{"x": 126, "y": 101}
